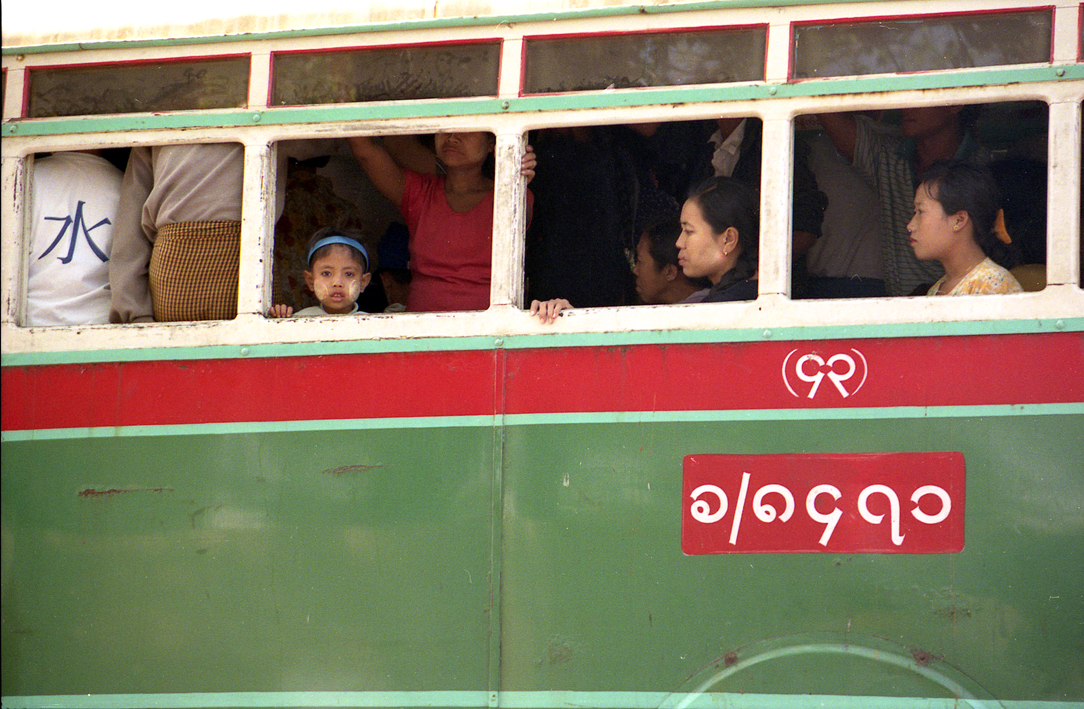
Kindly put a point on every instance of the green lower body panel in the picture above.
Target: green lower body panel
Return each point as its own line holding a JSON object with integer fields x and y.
{"x": 529, "y": 565}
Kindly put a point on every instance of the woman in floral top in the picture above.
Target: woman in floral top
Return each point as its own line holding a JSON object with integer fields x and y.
{"x": 957, "y": 222}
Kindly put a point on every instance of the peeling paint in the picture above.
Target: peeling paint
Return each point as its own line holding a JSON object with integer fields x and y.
{"x": 91, "y": 492}
{"x": 349, "y": 469}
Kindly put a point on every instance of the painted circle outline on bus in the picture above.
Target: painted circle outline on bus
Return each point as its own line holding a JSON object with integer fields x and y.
{"x": 816, "y": 381}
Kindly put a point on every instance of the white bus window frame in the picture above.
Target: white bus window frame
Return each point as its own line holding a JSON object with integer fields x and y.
{"x": 773, "y": 310}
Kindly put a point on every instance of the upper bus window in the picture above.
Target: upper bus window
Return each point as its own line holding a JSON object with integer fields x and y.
{"x": 945, "y": 42}
{"x": 139, "y": 87}
{"x": 386, "y": 74}
{"x": 673, "y": 58}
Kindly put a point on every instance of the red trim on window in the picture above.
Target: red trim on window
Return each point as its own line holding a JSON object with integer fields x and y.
{"x": 193, "y": 59}
{"x": 888, "y": 18}
{"x": 923, "y": 16}
{"x": 598, "y": 35}
{"x": 379, "y": 47}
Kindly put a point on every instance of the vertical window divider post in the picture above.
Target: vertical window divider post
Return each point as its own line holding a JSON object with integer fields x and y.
{"x": 509, "y": 220}
{"x": 257, "y": 228}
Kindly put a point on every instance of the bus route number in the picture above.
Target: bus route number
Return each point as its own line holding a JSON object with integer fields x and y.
{"x": 897, "y": 503}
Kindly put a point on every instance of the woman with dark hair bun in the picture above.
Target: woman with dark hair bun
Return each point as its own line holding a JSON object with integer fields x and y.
{"x": 720, "y": 238}
{"x": 958, "y": 223}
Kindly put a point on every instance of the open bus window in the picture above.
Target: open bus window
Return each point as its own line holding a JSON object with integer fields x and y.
{"x": 868, "y": 166}
{"x": 422, "y": 205}
{"x": 74, "y": 200}
{"x": 612, "y": 200}
{"x": 175, "y": 236}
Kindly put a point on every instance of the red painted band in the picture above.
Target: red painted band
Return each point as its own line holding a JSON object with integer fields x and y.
{"x": 906, "y": 372}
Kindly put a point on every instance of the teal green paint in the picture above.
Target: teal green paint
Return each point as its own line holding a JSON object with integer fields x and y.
{"x": 536, "y": 104}
{"x": 519, "y": 342}
{"x": 511, "y": 700}
{"x": 410, "y": 423}
{"x": 385, "y": 539}
{"x": 858, "y": 415}
{"x": 594, "y": 515}
{"x": 416, "y": 25}
{"x": 256, "y": 700}
{"x": 361, "y": 559}
{"x": 496, "y": 422}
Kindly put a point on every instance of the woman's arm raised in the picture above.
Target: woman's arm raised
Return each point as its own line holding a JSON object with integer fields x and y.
{"x": 387, "y": 176}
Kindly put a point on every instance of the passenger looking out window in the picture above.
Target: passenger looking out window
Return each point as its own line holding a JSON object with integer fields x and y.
{"x": 338, "y": 272}
{"x": 957, "y": 222}
{"x": 659, "y": 278}
{"x": 929, "y": 134}
{"x": 720, "y": 238}
{"x": 449, "y": 215}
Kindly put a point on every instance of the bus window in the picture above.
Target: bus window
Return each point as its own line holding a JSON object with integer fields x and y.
{"x": 439, "y": 189}
{"x": 640, "y": 59}
{"x": 74, "y": 200}
{"x": 177, "y": 234}
{"x": 875, "y": 200}
{"x": 386, "y": 74}
{"x": 611, "y": 197}
{"x": 580, "y": 239}
{"x": 325, "y": 190}
{"x": 952, "y": 41}
{"x": 136, "y": 87}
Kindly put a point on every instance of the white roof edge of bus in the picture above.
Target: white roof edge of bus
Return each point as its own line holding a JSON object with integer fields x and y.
{"x": 48, "y": 22}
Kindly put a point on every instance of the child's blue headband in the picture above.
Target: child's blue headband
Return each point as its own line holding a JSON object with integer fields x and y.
{"x": 336, "y": 239}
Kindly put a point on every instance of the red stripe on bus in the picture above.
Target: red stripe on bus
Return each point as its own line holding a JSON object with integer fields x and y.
{"x": 266, "y": 389}
{"x": 903, "y": 372}
{"x": 942, "y": 371}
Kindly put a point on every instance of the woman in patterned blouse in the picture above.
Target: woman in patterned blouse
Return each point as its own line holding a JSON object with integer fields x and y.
{"x": 957, "y": 222}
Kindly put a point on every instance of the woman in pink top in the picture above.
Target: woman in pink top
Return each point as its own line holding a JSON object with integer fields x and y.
{"x": 449, "y": 216}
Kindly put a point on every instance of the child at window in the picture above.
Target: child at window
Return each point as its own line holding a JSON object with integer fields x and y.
{"x": 338, "y": 273}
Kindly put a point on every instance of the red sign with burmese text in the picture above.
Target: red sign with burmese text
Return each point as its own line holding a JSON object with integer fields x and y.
{"x": 896, "y": 503}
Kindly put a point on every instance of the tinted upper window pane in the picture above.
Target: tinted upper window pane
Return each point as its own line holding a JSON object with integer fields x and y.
{"x": 136, "y": 88}
{"x": 656, "y": 59}
{"x": 891, "y": 46}
{"x": 402, "y": 73}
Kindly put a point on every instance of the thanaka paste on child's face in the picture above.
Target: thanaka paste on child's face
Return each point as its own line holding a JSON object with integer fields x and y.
{"x": 337, "y": 278}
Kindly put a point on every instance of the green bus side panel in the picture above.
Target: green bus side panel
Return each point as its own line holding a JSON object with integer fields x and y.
{"x": 598, "y": 594}
{"x": 337, "y": 560}
{"x": 364, "y": 561}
